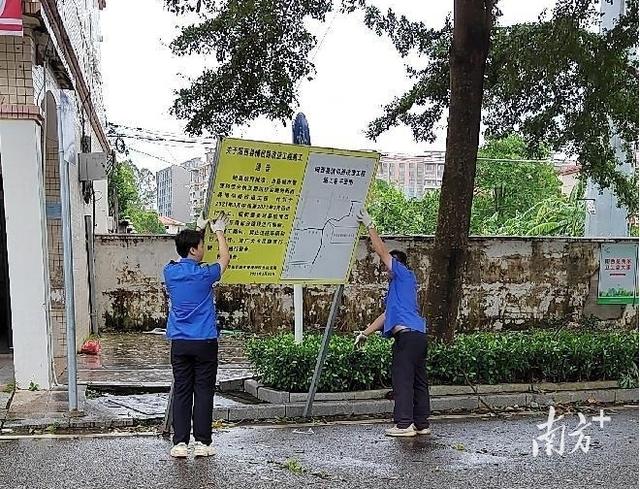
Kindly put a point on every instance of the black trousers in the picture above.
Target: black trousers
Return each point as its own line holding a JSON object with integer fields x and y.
{"x": 409, "y": 379}
{"x": 195, "y": 365}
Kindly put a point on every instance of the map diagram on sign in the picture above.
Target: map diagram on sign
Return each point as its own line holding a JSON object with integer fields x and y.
{"x": 325, "y": 227}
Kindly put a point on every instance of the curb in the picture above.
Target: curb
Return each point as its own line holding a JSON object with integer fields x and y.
{"x": 161, "y": 386}
{"x": 272, "y": 396}
{"x": 452, "y": 403}
{"x": 380, "y": 407}
{"x": 449, "y": 403}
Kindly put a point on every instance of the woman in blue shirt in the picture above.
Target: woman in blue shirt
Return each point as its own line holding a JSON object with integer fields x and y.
{"x": 402, "y": 321}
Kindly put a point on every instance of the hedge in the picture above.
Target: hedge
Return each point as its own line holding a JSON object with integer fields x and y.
{"x": 480, "y": 358}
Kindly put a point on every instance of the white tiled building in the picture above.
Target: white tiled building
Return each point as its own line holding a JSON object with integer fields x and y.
{"x": 414, "y": 175}
{"x": 50, "y": 110}
{"x": 199, "y": 183}
{"x": 182, "y": 190}
{"x": 172, "y": 185}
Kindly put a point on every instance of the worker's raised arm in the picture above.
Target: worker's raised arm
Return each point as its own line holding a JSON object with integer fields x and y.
{"x": 376, "y": 242}
{"x": 218, "y": 227}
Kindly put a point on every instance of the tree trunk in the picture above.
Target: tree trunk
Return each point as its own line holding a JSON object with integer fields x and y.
{"x": 472, "y": 24}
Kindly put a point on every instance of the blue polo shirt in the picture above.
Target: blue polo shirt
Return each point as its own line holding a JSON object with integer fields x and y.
{"x": 192, "y": 314}
{"x": 402, "y": 301}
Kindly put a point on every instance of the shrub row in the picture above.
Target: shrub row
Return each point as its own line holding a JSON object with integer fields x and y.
{"x": 479, "y": 358}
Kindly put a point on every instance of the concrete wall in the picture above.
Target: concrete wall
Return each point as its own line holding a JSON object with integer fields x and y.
{"x": 21, "y": 160}
{"x": 510, "y": 283}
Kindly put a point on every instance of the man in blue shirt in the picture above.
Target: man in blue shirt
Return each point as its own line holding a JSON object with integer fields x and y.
{"x": 192, "y": 329}
{"x": 402, "y": 321}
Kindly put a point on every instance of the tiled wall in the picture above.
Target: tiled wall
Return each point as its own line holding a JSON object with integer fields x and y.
{"x": 56, "y": 256}
{"x": 16, "y": 79}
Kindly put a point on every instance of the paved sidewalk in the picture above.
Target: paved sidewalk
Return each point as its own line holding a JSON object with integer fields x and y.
{"x": 142, "y": 360}
{"x": 131, "y": 362}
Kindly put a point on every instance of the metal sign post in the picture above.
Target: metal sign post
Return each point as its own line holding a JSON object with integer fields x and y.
{"x": 93, "y": 307}
{"x": 165, "y": 428}
{"x": 324, "y": 347}
{"x": 301, "y": 135}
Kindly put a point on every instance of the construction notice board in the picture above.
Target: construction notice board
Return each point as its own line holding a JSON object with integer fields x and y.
{"x": 618, "y": 274}
{"x": 292, "y": 210}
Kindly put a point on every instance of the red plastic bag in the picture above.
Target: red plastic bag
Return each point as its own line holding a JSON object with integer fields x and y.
{"x": 91, "y": 347}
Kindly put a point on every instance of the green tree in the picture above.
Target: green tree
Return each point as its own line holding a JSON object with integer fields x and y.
{"x": 509, "y": 182}
{"x": 555, "y": 80}
{"x": 395, "y": 214}
{"x": 122, "y": 187}
{"x": 261, "y": 49}
{"x": 428, "y": 208}
{"x": 147, "y": 188}
{"x": 125, "y": 199}
{"x": 145, "y": 221}
{"x": 558, "y": 215}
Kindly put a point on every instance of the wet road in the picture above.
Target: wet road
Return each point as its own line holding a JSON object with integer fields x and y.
{"x": 471, "y": 453}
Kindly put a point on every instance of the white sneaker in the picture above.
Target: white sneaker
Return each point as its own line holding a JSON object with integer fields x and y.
{"x": 180, "y": 450}
{"x": 202, "y": 450}
{"x": 423, "y": 431}
{"x": 395, "y": 431}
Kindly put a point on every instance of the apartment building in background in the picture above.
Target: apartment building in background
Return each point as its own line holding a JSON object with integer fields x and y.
{"x": 199, "y": 184}
{"x": 172, "y": 186}
{"x": 182, "y": 189}
{"x": 414, "y": 175}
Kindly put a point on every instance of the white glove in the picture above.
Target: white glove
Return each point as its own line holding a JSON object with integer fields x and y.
{"x": 202, "y": 221}
{"x": 221, "y": 223}
{"x": 364, "y": 217}
{"x": 361, "y": 339}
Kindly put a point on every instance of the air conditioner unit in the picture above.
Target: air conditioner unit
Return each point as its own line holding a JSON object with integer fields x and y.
{"x": 92, "y": 166}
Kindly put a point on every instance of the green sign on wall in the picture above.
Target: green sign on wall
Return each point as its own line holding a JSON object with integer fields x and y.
{"x": 618, "y": 277}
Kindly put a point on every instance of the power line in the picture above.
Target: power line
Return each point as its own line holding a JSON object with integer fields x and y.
{"x": 136, "y": 150}
{"x": 324, "y": 36}
{"x": 321, "y": 43}
{"x": 159, "y": 140}
{"x": 175, "y": 140}
{"x": 160, "y": 135}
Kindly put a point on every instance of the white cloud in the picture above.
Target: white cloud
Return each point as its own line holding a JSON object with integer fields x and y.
{"x": 357, "y": 73}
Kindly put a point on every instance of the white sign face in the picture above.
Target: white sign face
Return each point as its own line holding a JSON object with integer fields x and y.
{"x": 325, "y": 228}
{"x": 617, "y": 280}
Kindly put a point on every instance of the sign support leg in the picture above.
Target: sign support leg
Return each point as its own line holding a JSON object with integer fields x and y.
{"x": 165, "y": 428}
{"x": 324, "y": 347}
